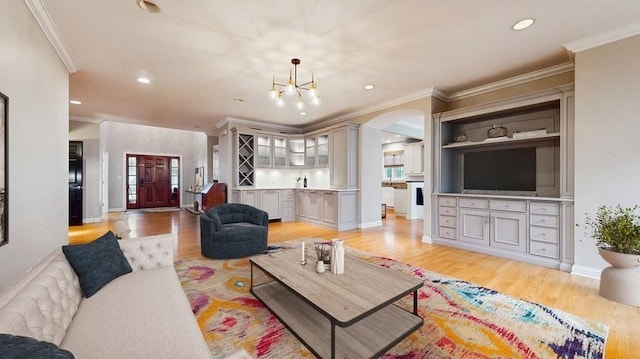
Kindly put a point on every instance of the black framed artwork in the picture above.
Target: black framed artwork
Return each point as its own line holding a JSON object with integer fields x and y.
{"x": 4, "y": 208}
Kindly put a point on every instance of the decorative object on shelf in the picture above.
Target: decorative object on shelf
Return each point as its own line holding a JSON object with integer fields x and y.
{"x": 460, "y": 137}
{"x": 617, "y": 232}
{"x": 530, "y": 133}
{"x": 292, "y": 88}
{"x": 320, "y": 266}
{"x": 305, "y": 181}
{"x": 497, "y": 131}
{"x": 337, "y": 256}
{"x": 298, "y": 182}
{"x": 303, "y": 258}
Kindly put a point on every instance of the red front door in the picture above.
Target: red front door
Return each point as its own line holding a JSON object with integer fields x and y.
{"x": 152, "y": 181}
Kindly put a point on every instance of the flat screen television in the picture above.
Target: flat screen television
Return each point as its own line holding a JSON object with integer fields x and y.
{"x": 500, "y": 170}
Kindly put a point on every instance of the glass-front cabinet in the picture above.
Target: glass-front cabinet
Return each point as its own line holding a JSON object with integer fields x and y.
{"x": 264, "y": 151}
{"x": 317, "y": 151}
{"x": 310, "y": 152}
{"x": 279, "y": 152}
{"x": 323, "y": 151}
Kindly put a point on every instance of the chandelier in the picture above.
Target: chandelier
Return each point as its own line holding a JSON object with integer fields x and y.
{"x": 292, "y": 88}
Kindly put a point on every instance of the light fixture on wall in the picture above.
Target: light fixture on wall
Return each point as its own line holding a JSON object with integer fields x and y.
{"x": 292, "y": 88}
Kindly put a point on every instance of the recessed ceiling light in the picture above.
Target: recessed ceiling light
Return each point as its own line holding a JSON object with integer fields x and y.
{"x": 397, "y": 135}
{"x": 303, "y": 113}
{"x": 369, "y": 87}
{"x": 523, "y": 24}
{"x": 143, "y": 80}
{"x": 148, "y": 6}
{"x": 75, "y": 102}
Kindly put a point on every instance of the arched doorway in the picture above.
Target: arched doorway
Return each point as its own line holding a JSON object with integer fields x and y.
{"x": 407, "y": 123}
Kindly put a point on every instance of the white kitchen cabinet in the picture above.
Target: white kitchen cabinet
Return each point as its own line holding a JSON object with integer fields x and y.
{"x": 343, "y": 168}
{"x": 264, "y": 151}
{"x": 271, "y": 202}
{"x": 335, "y": 209}
{"x": 388, "y": 196}
{"x": 288, "y": 205}
{"x": 249, "y": 197}
{"x": 329, "y": 207}
{"x": 314, "y": 210}
{"x": 302, "y": 204}
{"x": 401, "y": 199}
{"x": 296, "y": 152}
{"x": 413, "y": 158}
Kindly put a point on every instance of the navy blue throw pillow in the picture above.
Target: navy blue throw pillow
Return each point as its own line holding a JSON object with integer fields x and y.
{"x": 97, "y": 263}
{"x": 19, "y": 347}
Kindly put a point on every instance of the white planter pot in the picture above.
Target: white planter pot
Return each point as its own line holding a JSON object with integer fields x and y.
{"x": 621, "y": 281}
{"x": 620, "y": 260}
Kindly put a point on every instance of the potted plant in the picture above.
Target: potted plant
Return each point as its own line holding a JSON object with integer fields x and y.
{"x": 617, "y": 232}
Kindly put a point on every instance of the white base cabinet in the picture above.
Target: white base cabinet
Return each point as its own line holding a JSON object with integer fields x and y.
{"x": 335, "y": 209}
{"x": 278, "y": 203}
{"x": 528, "y": 229}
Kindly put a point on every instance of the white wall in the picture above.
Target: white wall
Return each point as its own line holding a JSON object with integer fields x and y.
{"x": 119, "y": 139}
{"x": 89, "y": 134}
{"x": 37, "y": 84}
{"x": 607, "y": 128}
{"x": 370, "y": 176}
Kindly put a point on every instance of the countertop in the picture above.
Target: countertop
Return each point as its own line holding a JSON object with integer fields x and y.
{"x": 396, "y": 185}
{"x": 297, "y": 189}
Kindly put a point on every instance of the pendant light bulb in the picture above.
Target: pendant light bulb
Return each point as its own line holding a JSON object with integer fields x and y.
{"x": 316, "y": 101}
{"x": 280, "y": 101}
{"x": 300, "y": 103}
{"x": 273, "y": 92}
{"x": 291, "y": 86}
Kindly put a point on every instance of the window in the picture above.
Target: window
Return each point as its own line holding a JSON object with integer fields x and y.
{"x": 132, "y": 179}
{"x": 393, "y": 169}
{"x": 175, "y": 178}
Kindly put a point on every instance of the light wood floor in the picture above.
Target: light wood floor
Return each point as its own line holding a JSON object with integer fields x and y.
{"x": 401, "y": 239}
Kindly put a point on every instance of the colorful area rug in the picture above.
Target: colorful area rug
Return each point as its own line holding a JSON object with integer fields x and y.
{"x": 461, "y": 320}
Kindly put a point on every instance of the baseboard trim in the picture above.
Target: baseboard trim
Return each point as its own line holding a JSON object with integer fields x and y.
{"x": 117, "y": 210}
{"x": 370, "y": 224}
{"x": 584, "y": 271}
{"x": 92, "y": 220}
{"x": 427, "y": 239}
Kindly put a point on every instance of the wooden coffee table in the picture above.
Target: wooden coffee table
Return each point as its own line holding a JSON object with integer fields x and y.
{"x": 351, "y": 315}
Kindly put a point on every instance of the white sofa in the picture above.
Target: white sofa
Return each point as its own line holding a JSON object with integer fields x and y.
{"x": 142, "y": 314}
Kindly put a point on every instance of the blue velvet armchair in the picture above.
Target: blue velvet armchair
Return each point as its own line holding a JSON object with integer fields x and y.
{"x": 233, "y": 230}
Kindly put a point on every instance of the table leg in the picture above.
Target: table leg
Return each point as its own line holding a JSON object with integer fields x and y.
{"x": 415, "y": 302}
{"x": 333, "y": 339}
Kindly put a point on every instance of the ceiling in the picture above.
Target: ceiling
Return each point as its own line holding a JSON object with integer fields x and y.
{"x": 202, "y": 55}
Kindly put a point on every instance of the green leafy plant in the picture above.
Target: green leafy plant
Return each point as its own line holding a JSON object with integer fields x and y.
{"x": 616, "y": 229}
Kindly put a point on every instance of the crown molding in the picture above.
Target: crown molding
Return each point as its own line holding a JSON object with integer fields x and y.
{"x": 420, "y": 95}
{"x": 40, "y": 13}
{"x": 516, "y": 80}
{"x": 257, "y": 125}
{"x": 603, "y": 38}
{"x": 437, "y": 93}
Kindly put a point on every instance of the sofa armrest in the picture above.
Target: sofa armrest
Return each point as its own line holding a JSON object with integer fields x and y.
{"x": 261, "y": 218}
{"x": 211, "y": 219}
{"x": 148, "y": 252}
